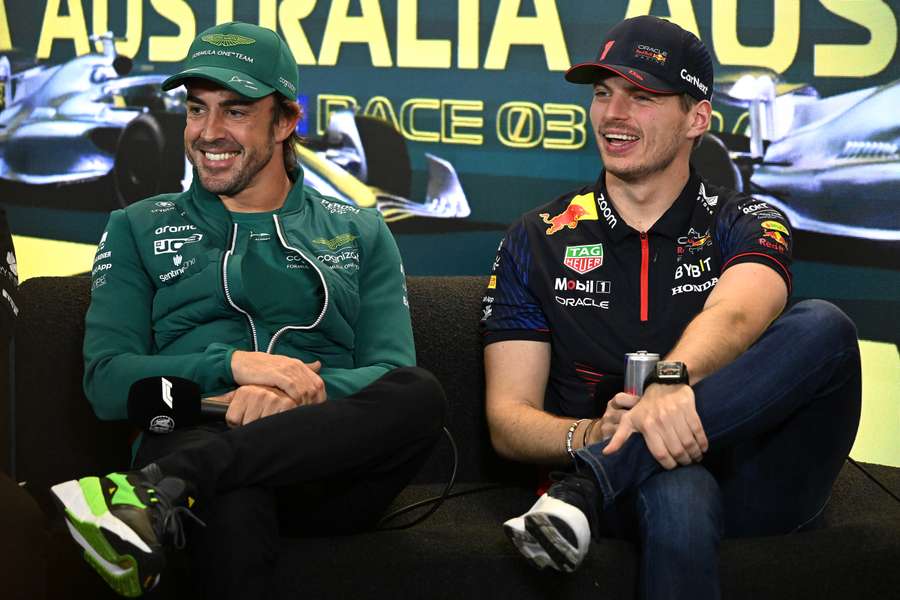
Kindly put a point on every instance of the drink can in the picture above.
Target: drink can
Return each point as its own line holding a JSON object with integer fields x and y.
{"x": 638, "y": 366}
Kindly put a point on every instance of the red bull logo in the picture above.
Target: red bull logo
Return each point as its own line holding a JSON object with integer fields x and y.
{"x": 567, "y": 218}
{"x": 775, "y": 235}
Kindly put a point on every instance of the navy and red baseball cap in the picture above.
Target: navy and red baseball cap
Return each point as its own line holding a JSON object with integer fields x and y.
{"x": 653, "y": 54}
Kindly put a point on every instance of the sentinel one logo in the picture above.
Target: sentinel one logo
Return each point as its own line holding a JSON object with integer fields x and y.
{"x": 695, "y": 80}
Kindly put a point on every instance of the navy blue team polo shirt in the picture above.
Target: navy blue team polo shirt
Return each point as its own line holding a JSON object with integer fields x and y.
{"x": 574, "y": 274}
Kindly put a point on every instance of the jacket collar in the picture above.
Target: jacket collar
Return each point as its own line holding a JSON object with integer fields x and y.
{"x": 202, "y": 206}
{"x": 671, "y": 224}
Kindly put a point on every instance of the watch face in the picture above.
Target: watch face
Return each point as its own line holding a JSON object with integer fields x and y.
{"x": 668, "y": 370}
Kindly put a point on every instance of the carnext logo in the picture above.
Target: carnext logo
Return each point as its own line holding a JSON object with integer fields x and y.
{"x": 695, "y": 80}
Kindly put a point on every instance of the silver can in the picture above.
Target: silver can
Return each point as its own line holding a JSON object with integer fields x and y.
{"x": 638, "y": 365}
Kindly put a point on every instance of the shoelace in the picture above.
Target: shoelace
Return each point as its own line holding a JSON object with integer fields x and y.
{"x": 174, "y": 527}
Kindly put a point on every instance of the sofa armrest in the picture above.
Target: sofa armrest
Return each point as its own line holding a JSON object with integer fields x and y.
{"x": 23, "y": 544}
{"x": 57, "y": 435}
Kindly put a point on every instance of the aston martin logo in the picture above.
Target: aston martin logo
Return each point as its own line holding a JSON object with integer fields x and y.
{"x": 227, "y": 39}
{"x": 336, "y": 242}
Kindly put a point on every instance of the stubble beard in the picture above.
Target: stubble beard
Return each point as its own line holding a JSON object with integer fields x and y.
{"x": 655, "y": 163}
{"x": 240, "y": 179}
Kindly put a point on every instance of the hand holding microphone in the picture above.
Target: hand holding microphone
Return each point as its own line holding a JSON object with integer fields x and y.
{"x": 160, "y": 404}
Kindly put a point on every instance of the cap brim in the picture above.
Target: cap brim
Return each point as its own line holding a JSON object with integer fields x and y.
{"x": 237, "y": 82}
{"x": 589, "y": 73}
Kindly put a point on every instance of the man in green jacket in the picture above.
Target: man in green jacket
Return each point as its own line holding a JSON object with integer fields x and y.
{"x": 285, "y": 305}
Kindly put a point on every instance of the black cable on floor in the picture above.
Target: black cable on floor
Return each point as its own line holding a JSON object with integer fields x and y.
{"x": 874, "y": 480}
{"x": 437, "y": 500}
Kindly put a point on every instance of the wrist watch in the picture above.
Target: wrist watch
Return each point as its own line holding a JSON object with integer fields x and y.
{"x": 668, "y": 372}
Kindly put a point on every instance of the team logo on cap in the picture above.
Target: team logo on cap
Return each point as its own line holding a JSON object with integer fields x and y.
{"x": 606, "y": 49}
{"x": 227, "y": 39}
{"x": 652, "y": 54}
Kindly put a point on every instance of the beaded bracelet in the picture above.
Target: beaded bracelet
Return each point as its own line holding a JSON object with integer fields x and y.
{"x": 570, "y": 434}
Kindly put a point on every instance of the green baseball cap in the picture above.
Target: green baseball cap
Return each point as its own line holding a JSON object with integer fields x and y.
{"x": 247, "y": 59}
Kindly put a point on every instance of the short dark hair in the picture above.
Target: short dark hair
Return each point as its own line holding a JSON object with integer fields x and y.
{"x": 286, "y": 109}
{"x": 688, "y": 102}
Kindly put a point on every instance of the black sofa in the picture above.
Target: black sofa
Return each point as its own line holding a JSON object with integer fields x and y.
{"x": 459, "y": 552}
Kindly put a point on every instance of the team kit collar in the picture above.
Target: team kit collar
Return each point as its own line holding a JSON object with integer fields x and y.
{"x": 672, "y": 224}
{"x": 212, "y": 207}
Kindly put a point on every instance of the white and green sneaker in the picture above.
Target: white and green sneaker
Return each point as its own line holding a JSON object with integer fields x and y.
{"x": 123, "y": 521}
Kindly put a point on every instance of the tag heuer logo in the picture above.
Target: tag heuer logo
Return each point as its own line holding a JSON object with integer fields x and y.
{"x": 584, "y": 259}
{"x": 227, "y": 39}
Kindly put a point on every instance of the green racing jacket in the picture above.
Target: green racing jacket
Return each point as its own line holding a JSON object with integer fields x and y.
{"x": 169, "y": 295}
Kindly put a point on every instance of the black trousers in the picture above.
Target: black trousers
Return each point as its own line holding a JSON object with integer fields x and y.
{"x": 330, "y": 468}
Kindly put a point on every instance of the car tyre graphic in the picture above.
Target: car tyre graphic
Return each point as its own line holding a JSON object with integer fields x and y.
{"x": 149, "y": 157}
{"x": 387, "y": 159}
{"x": 713, "y": 162}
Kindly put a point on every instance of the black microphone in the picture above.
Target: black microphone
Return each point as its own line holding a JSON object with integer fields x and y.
{"x": 160, "y": 404}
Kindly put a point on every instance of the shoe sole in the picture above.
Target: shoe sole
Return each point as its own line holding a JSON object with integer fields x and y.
{"x": 553, "y": 535}
{"x": 112, "y": 548}
{"x": 527, "y": 545}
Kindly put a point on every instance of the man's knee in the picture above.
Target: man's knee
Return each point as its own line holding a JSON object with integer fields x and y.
{"x": 824, "y": 323}
{"x": 681, "y": 507}
{"x": 422, "y": 395}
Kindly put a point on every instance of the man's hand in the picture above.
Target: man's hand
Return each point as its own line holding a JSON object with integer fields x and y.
{"x": 668, "y": 420}
{"x": 616, "y": 408}
{"x": 251, "y": 402}
{"x": 295, "y": 378}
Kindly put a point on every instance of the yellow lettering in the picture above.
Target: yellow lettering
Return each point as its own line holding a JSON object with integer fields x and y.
{"x": 571, "y": 124}
{"x": 859, "y": 60}
{"x": 544, "y": 29}
{"x": 224, "y": 11}
{"x": 467, "y": 50}
{"x": 719, "y": 120}
{"x": 290, "y": 13}
{"x": 133, "y": 26}
{"x": 412, "y": 51}
{"x": 520, "y": 124}
{"x": 267, "y": 14}
{"x": 367, "y": 29}
{"x": 454, "y": 119}
{"x": 329, "y": 103}
{"x": 164, "y": 48}
{"x": 681, "y": 12}
{"x": 777, "y": 55}
{"x": 5, "y": 38}
{"x": 58, "y": 27}
{"x": 381, "y": 108}
{"x": 408, "y": 117}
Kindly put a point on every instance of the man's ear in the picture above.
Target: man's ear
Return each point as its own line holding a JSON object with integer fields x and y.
{"x": 700, "y": 116}
{"x": 288, "y": 121}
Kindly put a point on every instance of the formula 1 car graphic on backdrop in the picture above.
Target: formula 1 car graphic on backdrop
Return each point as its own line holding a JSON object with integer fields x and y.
{"x": 832, "y": 164}
{"x": 88, "y": 119}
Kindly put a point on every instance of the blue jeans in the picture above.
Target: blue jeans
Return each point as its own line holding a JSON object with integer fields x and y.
{"x": 780, "y": 421}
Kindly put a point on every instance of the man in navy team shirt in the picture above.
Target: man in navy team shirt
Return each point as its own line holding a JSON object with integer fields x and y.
{"x": 744, "y": 424}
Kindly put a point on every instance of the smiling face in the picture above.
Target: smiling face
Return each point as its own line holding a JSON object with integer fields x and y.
{"x": 233, "y": 141}
{"x": 639, "y": 133}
